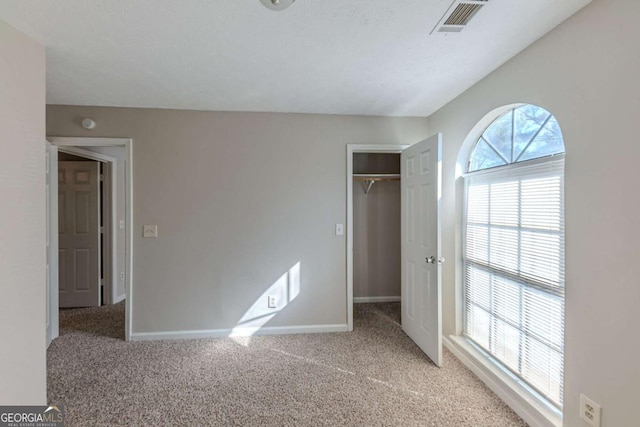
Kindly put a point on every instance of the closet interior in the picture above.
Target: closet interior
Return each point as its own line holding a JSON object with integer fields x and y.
{"x": 376, "y": 227}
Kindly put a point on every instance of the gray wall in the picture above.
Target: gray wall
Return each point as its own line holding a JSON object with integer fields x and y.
{"x": 585, "y": 72}
{"x": 376, "y": 240}
{"x": 239, "y": 199}
{"x": 22, "y": 219}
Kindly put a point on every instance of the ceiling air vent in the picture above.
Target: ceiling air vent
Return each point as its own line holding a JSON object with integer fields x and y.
{"x": 458, "y": 16}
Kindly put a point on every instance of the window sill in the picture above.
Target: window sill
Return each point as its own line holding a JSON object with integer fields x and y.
{"x": 530, "y": 407}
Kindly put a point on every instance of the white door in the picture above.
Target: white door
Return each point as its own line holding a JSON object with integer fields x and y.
{"x": 51, "y": 168}
{"x": 79, "y": 234}
{"x": 421, "y": 295}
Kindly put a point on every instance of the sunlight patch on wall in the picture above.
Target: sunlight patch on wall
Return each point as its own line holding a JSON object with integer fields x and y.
{"x": 283, "y": 291}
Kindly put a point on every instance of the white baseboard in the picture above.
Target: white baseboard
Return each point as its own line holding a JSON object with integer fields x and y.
{"x": 120, "y": 298}
{"x": 359, "y": 300}
{"x": 237, "y": 332}
{"x": 531, "y": 409}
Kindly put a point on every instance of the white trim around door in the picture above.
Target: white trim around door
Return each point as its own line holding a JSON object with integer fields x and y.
{"x": 52, "y": 242}
{"x": 73, "y": 145}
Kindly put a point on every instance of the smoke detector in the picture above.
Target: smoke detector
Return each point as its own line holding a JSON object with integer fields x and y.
{"x": 88, "y": 123}
{"x": 458, "y": 16}
{"x": 277, "y": 5}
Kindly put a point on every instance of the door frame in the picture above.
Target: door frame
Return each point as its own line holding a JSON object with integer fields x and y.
{"x": 74, "y": 145}
{"x": 52, "y": 302}
{"x": 351, "y": 149}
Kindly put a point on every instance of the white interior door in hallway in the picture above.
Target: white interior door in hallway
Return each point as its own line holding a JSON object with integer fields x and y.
{"x": 420, "y": 246}
{"x": 79, "y": 234}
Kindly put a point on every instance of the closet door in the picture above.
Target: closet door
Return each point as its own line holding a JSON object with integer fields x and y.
{"x": 421, "y": 256}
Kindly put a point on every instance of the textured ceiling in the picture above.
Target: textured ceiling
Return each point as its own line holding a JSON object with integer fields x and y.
{"x": 365, "y": 57}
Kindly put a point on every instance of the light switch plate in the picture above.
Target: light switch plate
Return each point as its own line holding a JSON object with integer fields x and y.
{"x": 121, "y": 224}
{"x": 339, "y": 229}
{"x": 149, "y": 231}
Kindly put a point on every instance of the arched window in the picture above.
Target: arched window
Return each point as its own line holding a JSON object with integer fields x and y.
{"x": 514, "y": 247}
{"x": 524, "y": 133}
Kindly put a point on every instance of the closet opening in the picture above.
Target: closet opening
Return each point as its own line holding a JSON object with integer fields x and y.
{"x": 374, "y": 226}
{"x": 413, "y": 262}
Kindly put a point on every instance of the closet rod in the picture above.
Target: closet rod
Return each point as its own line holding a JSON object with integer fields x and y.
{"x": 369, "y": 179}
{"x": 377, "y": 177}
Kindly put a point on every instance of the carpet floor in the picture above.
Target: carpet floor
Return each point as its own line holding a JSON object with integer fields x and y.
{"x": 373, "y": 376}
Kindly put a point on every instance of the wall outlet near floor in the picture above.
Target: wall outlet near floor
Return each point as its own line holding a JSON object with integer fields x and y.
{"x": 590, "y": 411}
{"x": 271, "y": 301}
{"x": 122, "y": 276}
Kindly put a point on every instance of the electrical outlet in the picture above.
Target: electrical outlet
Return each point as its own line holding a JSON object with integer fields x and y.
{"x": 590, "y": 411}
{"x": 271, "y": 301}
{"x": 122, "y": 276}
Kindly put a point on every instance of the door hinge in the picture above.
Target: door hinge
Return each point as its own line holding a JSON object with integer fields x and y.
{"x": 102, "y": 229}
{"x": 101, "y": 177}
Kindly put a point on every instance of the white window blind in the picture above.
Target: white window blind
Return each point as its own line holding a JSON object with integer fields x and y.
{"x": 514, "y": 270}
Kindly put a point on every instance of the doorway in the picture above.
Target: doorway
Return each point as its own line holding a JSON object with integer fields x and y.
{"x": 84, "y": 215}
{"x": 420, "y": 252}
{"x": 376, "y": 227}
{"x": 114, "y": 154}
{"x": 354, "y": 150}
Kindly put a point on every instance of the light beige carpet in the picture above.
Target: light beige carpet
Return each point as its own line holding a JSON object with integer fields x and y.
{"x": 373, "y": 376}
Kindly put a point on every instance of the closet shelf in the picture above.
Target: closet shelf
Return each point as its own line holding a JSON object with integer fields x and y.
{"x": 376, "y": 177}
{"x": 369, "y": 179}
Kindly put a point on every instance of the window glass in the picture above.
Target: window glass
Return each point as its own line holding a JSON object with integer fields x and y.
{"x": 546, "y": 143}
{"x": 485, "y": 157}
{"x": 499, "y": 136}
{"x": 524, "y": 133}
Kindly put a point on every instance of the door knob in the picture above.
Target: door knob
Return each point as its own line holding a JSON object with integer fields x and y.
{"x": 441, "y": 260}
{"x": 430, "y": 260}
